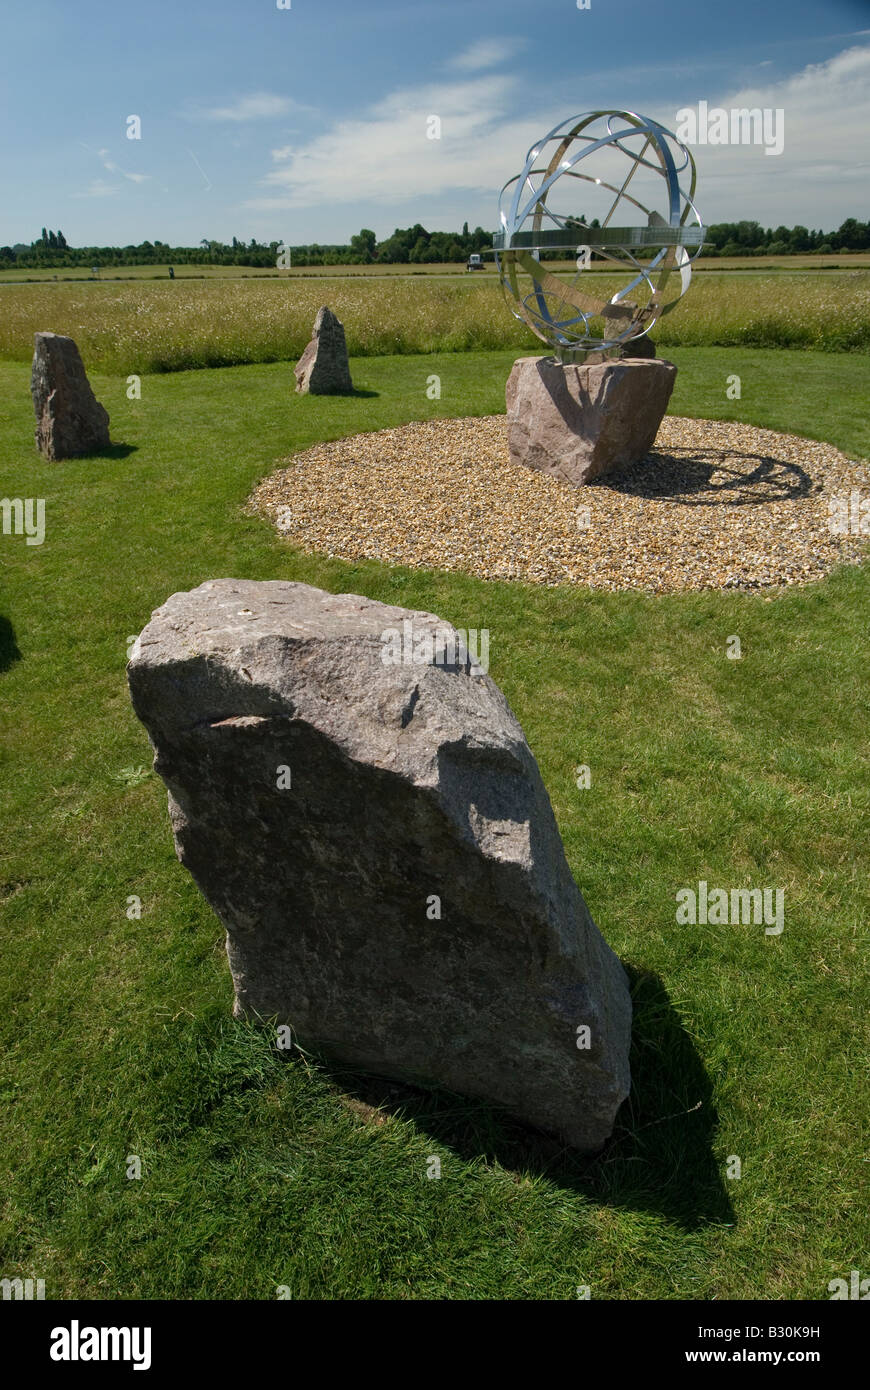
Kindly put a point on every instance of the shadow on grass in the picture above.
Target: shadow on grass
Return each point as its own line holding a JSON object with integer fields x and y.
{"x": 8, "y": 646}
{"x": 659, "y": 1158}
{"x": 711, "y": 477}
{"x": 357, "y": 393}
{"x": 114, "y": 451}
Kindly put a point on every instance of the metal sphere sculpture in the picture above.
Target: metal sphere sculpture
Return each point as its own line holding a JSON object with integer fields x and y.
{"x": 597, "y": 155}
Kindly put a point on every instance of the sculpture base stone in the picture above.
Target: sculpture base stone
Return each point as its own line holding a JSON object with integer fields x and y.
{"x": 577, "y": 422}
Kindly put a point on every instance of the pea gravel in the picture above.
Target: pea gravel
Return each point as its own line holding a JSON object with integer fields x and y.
{"x": 713, "y": 506}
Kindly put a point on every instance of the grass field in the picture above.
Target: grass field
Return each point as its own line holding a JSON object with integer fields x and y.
{"x": 841, "y": 260}
{"x": 259, "y": 1171}
{"x": 169, "y": 326}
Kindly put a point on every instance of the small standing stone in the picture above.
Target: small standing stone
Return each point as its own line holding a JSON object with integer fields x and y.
{"x": 323, "y": 368}
{"x": 69, "y": 419}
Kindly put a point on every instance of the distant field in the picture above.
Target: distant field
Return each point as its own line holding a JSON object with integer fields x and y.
{"x": 838, "y": 261}
{"x": 153, "y": 325}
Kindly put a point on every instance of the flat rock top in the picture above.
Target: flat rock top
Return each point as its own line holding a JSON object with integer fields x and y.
{"x": 238, "y": 648}
{"x": 224, "y": 614}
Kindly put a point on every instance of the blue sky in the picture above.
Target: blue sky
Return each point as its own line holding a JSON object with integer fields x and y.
{"x": 307, "y": 123}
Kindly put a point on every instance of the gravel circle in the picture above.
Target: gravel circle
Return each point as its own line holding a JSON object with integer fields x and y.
{"x": 713, "y": 506}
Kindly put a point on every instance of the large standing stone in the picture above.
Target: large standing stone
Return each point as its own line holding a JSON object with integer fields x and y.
{"x": 361, "y": 809}
{"x": 69, "y": 418}
{"x": 578, "y": 422}
{"x": 323, "y": 368}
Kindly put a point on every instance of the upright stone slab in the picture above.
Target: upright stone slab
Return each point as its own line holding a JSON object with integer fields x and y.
{"x": 69, "y": 419}
{"x": 323, "y": 369}
{"x": 578, "y": 422}
{"x": 361, "y": 809}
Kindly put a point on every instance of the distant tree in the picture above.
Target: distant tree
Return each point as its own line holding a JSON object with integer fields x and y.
{"x": 851, "y": 235}
{"x": 363, "y": 245}
{"x": 392, "y": 251}
{"x": 799, "y": 239}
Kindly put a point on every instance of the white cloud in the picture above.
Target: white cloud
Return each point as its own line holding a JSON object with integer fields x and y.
{"x": 485, "y": 53}
{"x": 821, "y": 176}
{"x": 258, "y": 106}
{"x": 386, "y": 155}
{"x": 383, "y": 158}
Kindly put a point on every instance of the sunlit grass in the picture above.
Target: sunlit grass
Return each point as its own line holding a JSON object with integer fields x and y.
{"x": 169, "y": 326}
{"x": 116, "y": 1034}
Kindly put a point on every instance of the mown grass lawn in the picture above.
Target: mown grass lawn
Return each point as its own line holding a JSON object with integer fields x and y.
{"x": 259, "y": 1171}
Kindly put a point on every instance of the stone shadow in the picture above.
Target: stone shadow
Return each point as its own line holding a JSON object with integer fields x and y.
{"x": 659, "y": 1158}
{"x": 8, "y": 646}
{"x": 686, "y": 475}
{"x": 114, "y": 451}
{"x": 358, "y": 393}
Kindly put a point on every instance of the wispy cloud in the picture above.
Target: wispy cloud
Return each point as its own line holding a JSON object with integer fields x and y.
{"x": 820, "y": 177}
{"x": 102, "y": 189}
{"x": 383, "y": 156}
{"x": 485, "y": 53}
{"x": 258, "y": 106}
{"x": 98, "y": 188}
{"x": 112, "y": 168}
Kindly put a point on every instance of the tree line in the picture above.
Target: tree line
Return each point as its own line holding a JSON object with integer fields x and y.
{"x": 407, "y": 246}
{"x": 410, "y": 245}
